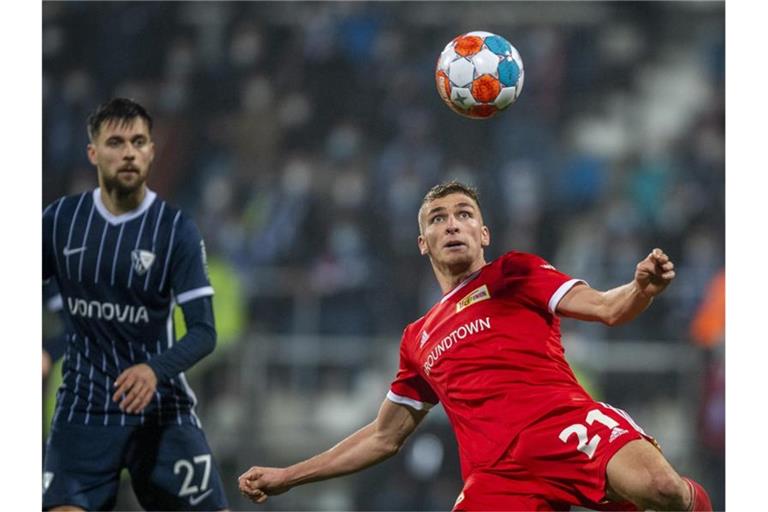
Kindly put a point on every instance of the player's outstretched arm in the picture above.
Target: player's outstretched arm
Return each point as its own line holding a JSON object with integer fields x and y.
{"x": 623, "y": 303}
{"x": 370, "y": 445}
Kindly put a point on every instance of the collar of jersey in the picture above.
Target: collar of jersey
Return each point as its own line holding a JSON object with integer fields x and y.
{"x": 461, "y": 285}
{"x": 149, "y": 197}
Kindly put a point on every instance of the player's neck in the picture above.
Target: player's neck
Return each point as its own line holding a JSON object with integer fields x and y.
{"x": 449, "y": 278}
{"x": 118, "y": 204}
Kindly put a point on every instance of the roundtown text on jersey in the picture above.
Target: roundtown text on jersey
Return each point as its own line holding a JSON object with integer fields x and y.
{"x": 459, "y": 333}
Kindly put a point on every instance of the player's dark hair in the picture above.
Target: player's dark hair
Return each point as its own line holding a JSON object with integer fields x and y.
{"x": 447, "y": 188}
{"x": 123, "y": 110}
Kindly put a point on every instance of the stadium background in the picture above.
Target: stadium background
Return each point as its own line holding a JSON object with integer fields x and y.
{"x": 301, "y": 137}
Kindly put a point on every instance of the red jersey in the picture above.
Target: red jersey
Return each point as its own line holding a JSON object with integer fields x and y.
{"x": 490, "y": 352}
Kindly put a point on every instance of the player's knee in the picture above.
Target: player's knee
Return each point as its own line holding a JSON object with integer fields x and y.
{"x": 665, "y": 491}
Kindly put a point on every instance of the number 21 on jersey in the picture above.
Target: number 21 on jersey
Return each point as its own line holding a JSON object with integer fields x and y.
{"x": 586, "y": 444}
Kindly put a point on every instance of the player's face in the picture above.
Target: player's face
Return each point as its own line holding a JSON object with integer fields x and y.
{"x": 123, "y": 153}
{"x": 452, "y": 232}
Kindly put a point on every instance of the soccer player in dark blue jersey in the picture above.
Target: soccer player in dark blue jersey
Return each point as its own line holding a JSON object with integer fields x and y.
{"x": 122, "y": 258}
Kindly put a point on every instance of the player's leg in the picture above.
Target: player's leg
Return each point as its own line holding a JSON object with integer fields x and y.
{"x": 172, "y": 468}
{"x": 638, "y": 472}
{"x": 569, "y": 450}
{"x": 82, "y": 467}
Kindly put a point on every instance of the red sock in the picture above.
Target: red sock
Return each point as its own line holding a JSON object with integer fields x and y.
{"x": 699, "y": 497}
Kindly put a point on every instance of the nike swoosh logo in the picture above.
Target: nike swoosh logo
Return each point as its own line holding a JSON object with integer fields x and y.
{"x": 70, "y": 252}
{"x": 194, "y": 500}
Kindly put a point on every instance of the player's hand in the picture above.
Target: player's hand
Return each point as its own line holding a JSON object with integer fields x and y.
{"x": 258, "y": 483}
{"x": 654, "y": 273}
{"x": 135, "y": 388}
{"x": 47, "y": 363}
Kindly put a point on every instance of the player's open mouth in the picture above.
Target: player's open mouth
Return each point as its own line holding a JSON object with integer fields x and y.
{"x": 454, "y": 245}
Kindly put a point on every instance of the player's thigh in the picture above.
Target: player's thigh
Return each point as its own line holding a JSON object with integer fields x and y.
{"x": 172, "y": 467}
{"x": 82, "y": 466}
{"x": 569, "y": 450}
{"x": 638, "y": 469}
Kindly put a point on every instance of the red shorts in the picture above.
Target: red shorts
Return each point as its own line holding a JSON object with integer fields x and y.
{"x": 555, "y": 462}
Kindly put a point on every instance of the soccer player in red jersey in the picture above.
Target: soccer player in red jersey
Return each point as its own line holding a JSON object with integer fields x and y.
{"x": 529, "y": 436}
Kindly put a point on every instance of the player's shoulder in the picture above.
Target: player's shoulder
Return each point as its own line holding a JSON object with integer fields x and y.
{"x": 517, "y": 262}
{"x": 68, "y": 202}
{"x": 180, "y": 224}
{"x": 413, "y": 327}
{"x": 170, "y": 209}
{"x": 175, "y": 214}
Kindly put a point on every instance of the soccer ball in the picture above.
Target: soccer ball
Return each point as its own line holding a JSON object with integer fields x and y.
{"x": 479, "y": 74}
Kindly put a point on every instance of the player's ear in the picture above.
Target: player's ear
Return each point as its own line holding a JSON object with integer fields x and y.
{"x": 151, "y": 150}
{"x": 423, "y": 249}
{"x": 485, "y": 236}
{"x": 91, "y": 150}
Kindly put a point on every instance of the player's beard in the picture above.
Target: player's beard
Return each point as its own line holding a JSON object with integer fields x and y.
{"x": 124, "y": 187}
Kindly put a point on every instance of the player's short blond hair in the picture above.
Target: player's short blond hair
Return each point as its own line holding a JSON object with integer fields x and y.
{"x": 445, "y": 189}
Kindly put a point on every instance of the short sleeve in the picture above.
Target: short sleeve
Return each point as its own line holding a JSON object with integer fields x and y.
{"x": 189, "y": 272}
{"x": 409, "y": 388}
{"x": 49, "y": 256}
{"x": 535, "y": 281}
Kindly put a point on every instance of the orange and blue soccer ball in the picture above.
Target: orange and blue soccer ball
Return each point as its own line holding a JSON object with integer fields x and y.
{"x": 479, "y": 74}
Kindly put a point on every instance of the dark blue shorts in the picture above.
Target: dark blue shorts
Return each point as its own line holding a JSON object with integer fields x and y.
{"x": 171, "y": 467}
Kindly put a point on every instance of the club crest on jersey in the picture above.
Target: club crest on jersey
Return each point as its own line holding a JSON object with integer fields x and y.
{"x": 141, "y": 260}
{"x": 476, "y": 295}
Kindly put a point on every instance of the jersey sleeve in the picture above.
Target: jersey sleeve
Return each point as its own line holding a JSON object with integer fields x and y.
{"x": 536, "y": 281}
{"x": 49, "y": 258}
{"x": 408, "y": 387}
{"x": 198, "y": 342}
{"x": 189, "y": 272}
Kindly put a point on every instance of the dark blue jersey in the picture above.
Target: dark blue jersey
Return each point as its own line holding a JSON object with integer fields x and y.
{"x": 120, "y": 278}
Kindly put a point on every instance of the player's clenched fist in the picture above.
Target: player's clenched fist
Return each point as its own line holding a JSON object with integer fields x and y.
{"x": 135, "y": 388}
{"x": 258, "y": 483}
{"x": 654, "y": 273}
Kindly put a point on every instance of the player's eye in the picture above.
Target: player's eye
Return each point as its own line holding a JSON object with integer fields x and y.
{"x": 465, "y": 215}
{"x": 140, "y": 142}
{"x": 437, "y": 218}
{"x": 113, "y": 143}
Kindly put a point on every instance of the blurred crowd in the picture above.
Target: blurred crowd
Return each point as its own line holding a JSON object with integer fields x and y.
{"x": 301, "y": 137}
